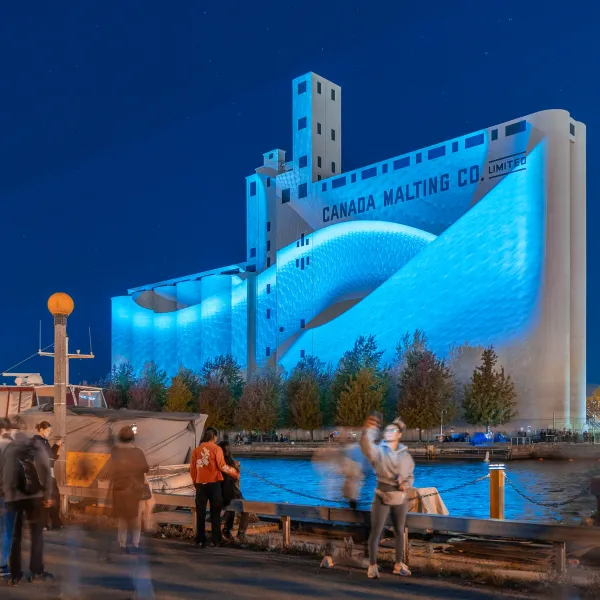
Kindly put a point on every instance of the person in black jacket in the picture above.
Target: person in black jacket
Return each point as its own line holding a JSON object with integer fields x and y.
{"x": 231, "y": 491}
{"x": 51, "y": 517}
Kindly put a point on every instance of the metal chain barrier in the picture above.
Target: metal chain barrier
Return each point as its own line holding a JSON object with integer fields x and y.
{"x": 547, "y": 504}
{"x": 460, "y": 486}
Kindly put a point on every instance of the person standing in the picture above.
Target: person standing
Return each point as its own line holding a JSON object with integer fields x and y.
{"x": 128, "y": 470}
{"x": 230, "y": 489}
{"x": 52, "y": 514}
{"x": 27, "y": 485}
{"x": 206, "y": 470}
{"x": 394, "y": 467}
{"x": 7, "y": 518}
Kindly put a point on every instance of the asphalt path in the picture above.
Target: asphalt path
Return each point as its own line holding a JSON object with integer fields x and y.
{"x": 168, "y": 569}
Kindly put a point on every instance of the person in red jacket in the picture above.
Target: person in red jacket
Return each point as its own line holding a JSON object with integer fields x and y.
{"x": 206, "y": 469}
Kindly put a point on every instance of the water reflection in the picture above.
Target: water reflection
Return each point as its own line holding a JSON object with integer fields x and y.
{"x": 547, "y": 481}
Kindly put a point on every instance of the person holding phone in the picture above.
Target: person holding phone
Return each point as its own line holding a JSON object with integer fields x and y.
{"x": 394, "y": 467}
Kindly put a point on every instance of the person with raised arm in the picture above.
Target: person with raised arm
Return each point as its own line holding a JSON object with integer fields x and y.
{"x": 394, "y": 467}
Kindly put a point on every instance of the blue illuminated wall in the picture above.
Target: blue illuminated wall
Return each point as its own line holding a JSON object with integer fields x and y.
{"x": 469, "y": 240}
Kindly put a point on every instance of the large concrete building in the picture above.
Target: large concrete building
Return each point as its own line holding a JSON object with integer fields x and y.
{"x": 480, "y": 238}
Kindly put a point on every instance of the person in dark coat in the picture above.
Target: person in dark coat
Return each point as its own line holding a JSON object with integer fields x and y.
{"x": 231, "y": 491}
{"x": 51, "y": 517}
{"x": 128, "y": 479}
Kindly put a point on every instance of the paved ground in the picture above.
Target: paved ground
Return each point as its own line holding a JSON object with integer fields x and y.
{"x": 173, "y": 569}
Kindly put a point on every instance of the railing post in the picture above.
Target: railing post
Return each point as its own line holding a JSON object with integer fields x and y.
{"x": 560, "y": 558}
{"x": 286, "y": 530}
{"x": 496, "y": 491}
{"x": 595, "y": 488}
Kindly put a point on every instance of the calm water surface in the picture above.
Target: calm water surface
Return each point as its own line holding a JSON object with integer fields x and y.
{"x": 547, "y": 481}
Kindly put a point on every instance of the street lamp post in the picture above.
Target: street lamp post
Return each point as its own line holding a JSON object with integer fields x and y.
{"x": 60, "y": 306}
{"x": 442, "y": 421}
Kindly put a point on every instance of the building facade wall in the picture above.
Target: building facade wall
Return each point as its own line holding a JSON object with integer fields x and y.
{"x": 480, "y": 239}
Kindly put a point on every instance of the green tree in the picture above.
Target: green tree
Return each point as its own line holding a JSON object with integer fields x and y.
{"x": 364, "y": 355}
{"x": 313, "y": 369}
{"x": 117, "y": 385}
{"x": 490, "y": 396}
{"x": 192, "y": 380}
{"x": 153, "y": 382}
{"x": 179, "y": 396}
{"x": 363, "y": 393}
{"x": 225, "y": 370}
{"x": 259, "y": 408}
{"x": 221, "y": 385}
{"x": 304, "y": 402}
{"x": 425, "y": 390}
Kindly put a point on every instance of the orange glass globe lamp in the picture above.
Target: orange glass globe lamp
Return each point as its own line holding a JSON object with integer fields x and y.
{"x": 60, "y": 304}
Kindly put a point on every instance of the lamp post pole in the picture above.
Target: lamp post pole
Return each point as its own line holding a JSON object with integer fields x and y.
{"x": 60, "y": 306}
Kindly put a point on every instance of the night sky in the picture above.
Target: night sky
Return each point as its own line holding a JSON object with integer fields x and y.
{"x": 128, "y": 127}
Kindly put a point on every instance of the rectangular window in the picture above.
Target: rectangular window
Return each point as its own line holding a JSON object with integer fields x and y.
{"x": 268, "y": 182}
{"x": 307, "y": 258}
{"x": 353, "y": 178}
{"x": 268, "y": 288}
{"x": 333, "y": 135}
{"x": 384, "y": 168}
{"x": 268, "y": 261}
{"x": 253, "y": 188}
{"x": 252, "y": 252}
{"x": 301, "y": 123}
{"x": 333, "y": 167}
{"x": 319, "y": 128}
{"x": 514, "y": 128}
{"x": 319, "y": 162}
{"x": 419, "y": 157}
{"x": 333, "y": 94}
{"x": 268, "y": 226}
{"x": 302, "y": 239}
{"x": 454, "y": 146}
{"x": 285, "y": 196}
{"x": 494, "y": 135}
{"x": 319, "y": 178}
{"x": 572, "y": 128}
{"x": 281, "y": 329}
{"x": 307, "y": 241}
{"x": 297, "y": 262}
{"x": 271, "y": 156}
{"x": 303, "y": 162}
{"x": 324, "y": 187}
{"x": 401, "y": 163}
{"x": 268, "y": 245}
{"x": 339, "y": 182}
{"x": 302, "y": 264}
{"x": 302, "y": 323}
{"x": 303, "y": 190}
{"x": 268, "y": 313}
{"x": 475, "y": 140}
{"x": 318, "y": 87}
{"x": 436, "y": 152}
{"x": 302, "y": 354}
{"x": 301, "y": 87}
{"x": 368, "y": 173}
{"x": 268, "y": 351}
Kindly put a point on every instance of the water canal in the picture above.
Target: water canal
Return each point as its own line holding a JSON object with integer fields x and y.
{"x": 547, "y": 481}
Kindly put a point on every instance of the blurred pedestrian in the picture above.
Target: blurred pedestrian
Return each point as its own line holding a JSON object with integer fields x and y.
{"x": 7, "y": 518}
{"x": 394, "y": 467}
{"x": 27, "y": 485}
{"x": 128, "y": 470}
{"x": 230, "y": 489}
{"x": 206, "y": 469}
{"x": 51, "y": 518}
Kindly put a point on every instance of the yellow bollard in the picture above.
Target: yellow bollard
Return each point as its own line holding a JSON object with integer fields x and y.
{"x": 496, "y": 491}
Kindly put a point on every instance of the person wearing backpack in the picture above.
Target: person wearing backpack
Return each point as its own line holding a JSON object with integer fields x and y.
{"x": 27, "y": 484}
{"x": 7, "y": 518}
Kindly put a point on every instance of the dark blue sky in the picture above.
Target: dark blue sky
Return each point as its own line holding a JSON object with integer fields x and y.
{"x": 128, "y": 127}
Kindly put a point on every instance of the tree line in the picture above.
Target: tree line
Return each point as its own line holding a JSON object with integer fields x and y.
{"x": 418, "y": 385}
